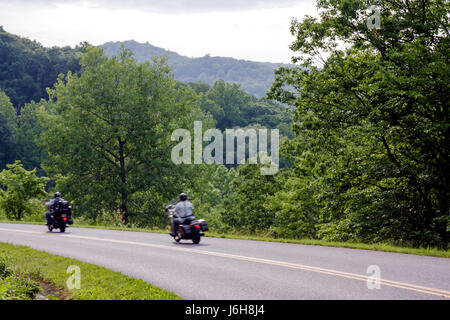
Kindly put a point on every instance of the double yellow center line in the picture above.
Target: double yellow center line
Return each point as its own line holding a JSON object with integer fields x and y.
{"x": 396, "y": 284}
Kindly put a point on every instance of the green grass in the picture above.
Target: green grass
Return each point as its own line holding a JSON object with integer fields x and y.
{"x": 15, "y": 286}
{"x": 97, "y": 283}
{"x": 386, "y": 247}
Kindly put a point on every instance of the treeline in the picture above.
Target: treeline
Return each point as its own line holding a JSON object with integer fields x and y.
{"x": 27, "y": 68}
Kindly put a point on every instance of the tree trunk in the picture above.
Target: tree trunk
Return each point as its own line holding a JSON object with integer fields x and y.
{"x": 123, "y": 187}
{"x": 124, "y": 211}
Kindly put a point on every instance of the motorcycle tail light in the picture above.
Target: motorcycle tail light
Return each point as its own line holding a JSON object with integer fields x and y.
{"x": 197, "y": 226}
{"x": 64, "y": 219}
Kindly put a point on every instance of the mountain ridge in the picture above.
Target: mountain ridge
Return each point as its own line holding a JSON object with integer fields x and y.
{"x": 254, "y": 77}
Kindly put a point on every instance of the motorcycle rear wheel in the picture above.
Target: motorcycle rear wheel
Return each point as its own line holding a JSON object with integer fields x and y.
{"x": 196, "y": 239}
{"x": 62, "y": 229}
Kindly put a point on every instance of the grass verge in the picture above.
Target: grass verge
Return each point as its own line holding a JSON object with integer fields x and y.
{"x": 96, "y": 283}
{"x": 15, "y": 286}
{"x": 385, "y": 247}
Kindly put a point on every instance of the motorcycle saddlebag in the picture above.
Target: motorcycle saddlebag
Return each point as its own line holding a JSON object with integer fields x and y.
{"x": 66, "y": 209}
{"x": 203, "y": 225}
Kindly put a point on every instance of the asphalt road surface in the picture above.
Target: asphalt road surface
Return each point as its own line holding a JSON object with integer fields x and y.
{"x": 228, "y": 269}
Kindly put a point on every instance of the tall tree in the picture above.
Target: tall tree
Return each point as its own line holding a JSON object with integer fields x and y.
{"x": 244, "y": 208}
{"x": 17, "y": 187}
{"x": 8, "y": 128}
{"x": 108, "y": 132}
{"x": 224, "y": 102}
{"x": 379, "y": 109}
{"x": 28, "y": 135}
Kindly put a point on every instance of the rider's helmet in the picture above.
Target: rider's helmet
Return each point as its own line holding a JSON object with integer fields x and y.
{"x": 57, "y": 194}
{"x": 183, "y": 197}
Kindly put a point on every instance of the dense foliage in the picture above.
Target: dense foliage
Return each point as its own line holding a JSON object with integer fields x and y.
{"x": 231, "y": 107}
{"x": 17, "y": 188}
{"x": 108, "y": 132}
{"x": 8, "y": 131}
{"x": 371, "y": 123}
{"x": 27, "y": 68}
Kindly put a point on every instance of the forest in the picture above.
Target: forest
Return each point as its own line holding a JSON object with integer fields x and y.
{"x": 365, "y": 132}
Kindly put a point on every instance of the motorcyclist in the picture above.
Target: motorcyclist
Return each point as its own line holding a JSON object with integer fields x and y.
{"x": 183, "y": 213}
{"x": 49, "y": 205}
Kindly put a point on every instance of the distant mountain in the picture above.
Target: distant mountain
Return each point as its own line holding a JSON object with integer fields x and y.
{"x": 27, "y": 68}
{"x": 254, "y": 77}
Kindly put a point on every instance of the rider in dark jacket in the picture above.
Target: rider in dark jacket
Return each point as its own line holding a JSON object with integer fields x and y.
{"x": 49, "y": 205}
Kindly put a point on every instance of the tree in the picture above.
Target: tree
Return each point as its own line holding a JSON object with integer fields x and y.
{"x": 27, "y": 68}
{"x": 108, "y": 131}
{"x": 244, "y": 208}
{"x": 232, "y": 107}
{"x": 8, "y": 128}
{"x": 224, "y": 102}
{"x": 28, "y": 133}
{"x": 379, "y": 110}
{"x": 17, "y": 187}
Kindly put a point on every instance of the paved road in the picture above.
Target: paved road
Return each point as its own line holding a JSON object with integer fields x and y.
{"x": 242, "y": 269}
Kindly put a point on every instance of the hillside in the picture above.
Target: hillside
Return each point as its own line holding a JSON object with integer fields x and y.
{"x": 254, "y": 77}
{"x": 27, "y": 68}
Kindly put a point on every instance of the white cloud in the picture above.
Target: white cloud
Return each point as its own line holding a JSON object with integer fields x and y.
{"x": 260, "y": 34}
{"x": 170, "y": 6}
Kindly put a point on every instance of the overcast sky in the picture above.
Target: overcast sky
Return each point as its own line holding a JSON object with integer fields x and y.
{"x": 244, "y": 29}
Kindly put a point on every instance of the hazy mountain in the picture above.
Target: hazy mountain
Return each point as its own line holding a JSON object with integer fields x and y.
{"x": 254, "y": 77}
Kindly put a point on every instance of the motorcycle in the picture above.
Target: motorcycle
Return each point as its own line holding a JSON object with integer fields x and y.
{"x": 61, "y": 216}
{"x": 192, "y": 231}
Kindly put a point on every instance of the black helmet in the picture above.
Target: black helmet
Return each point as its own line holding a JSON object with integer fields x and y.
{"x": 183, "y": 197}
{"x": 57, "y": 194}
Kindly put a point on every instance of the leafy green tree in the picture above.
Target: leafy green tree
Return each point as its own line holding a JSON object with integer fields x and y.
{"x": 296, "y": 203}
{"x": 232, "y": 107}
{"x": 268, "y": 115}
{"x": 28, "y": 135}
{"x": 210, "y": 186}
{"x": 378, "y": 110}
{"x": 244, "y": 208}
{"x": 27, "y": 68}
{"x": 224, "y": 102}
{"x": 108, "y": 133}
{"x": 8, "y": 131}
{"x": 17, "y": 187}
{"x": 199, "y": 87}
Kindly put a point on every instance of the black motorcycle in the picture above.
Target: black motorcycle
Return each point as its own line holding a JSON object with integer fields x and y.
{"x": 192, "y": 230}
{"x": 61, "y": 216}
